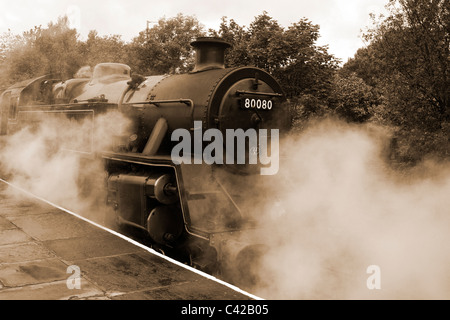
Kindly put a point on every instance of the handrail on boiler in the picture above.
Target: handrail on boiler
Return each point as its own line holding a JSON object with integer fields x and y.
{"x": 187, "y": 102}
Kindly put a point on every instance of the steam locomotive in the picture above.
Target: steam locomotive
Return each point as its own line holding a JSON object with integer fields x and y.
{"x": 185, "y": 205}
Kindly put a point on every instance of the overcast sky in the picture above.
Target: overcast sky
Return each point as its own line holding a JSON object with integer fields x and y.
{"x": 340, "y": 21}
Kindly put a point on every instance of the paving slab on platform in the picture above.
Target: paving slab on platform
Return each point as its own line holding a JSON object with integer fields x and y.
{"x": 38, "y": 243}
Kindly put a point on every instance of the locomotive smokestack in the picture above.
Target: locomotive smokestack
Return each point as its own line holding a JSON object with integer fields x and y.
{"x": 210, "y": 53}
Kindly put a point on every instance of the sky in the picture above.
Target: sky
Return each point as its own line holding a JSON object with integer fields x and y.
{"x": 340, "y": 21}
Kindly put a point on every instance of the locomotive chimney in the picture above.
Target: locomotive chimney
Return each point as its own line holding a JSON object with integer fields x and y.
{"x": 210, "y": 53}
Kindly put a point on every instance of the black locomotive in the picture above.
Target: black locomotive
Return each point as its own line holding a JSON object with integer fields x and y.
{"x": 193, "y": 207}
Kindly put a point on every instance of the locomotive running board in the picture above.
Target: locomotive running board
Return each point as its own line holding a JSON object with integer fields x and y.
{"x": 160, "y": 161}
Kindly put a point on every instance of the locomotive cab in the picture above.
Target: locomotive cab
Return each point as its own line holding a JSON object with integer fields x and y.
{"x": 24, "y": 95}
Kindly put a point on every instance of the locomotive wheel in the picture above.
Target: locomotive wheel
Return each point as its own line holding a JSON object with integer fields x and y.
{"x": 248, "y": 266}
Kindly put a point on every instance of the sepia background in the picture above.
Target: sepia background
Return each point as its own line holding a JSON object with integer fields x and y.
{"x": 367, "y": 173}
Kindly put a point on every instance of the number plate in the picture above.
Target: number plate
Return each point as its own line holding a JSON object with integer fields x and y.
{"x": 259, "y": 103}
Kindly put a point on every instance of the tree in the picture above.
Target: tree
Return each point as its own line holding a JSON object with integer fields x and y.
{"x": 304, "y": 70}
{"x": 57, "y": 45}
{"x": 413, "y": 45}
{"x": 265, "y": 45}
{"x": 17, "y": 61}
{"x": 98, "y": 49}
{"x": 51, "y": 50}
{"x": 238, "y": 37}
{"x": 7, "y": 41}
{"x": 165, "y": 48}
{"x": 291, "y": 54}
{"x": 407, "y": 60}
{"x": 352, "y": 99}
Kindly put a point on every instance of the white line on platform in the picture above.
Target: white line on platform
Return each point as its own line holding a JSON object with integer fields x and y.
{"x": 201, "y": 273}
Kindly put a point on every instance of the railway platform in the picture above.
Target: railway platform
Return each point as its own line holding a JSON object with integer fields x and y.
{"x": 47, "y": 253}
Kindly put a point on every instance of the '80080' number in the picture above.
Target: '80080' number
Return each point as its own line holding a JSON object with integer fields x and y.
{"x": 251, "y": 103}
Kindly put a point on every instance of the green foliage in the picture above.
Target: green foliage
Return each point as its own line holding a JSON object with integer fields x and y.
{"x": 165, "y": 48}
{"x": 56, "y": 47}
{"x": 415, "y": 45}
{"x": 98, "y": 49}
{"x": 307, "y": 108}
{"x": 407, "y": 61}
{"x": 400, "y": 79}
{"x": 8, "y": 41}
{"x": 289, "y": 54}
{"x": 238, "y": 37}
{"x": 352, "y": 99}
{"x": 22, "y": 62}
{"x": 51, "y": 50}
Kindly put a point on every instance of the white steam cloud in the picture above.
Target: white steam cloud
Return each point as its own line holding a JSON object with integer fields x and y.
{"x": 41, "y": 159}
{"x": 345, "y": 211}
{"x": 339, "y": 210}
